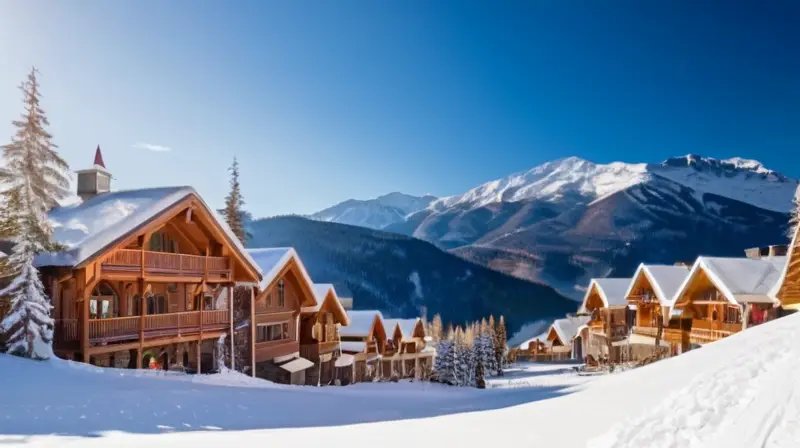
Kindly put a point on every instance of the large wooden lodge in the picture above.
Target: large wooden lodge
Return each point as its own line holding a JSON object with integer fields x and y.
{"x": 151, "y": 278}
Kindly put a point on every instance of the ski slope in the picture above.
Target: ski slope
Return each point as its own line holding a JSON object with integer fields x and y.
{"x": 739, "y": 392}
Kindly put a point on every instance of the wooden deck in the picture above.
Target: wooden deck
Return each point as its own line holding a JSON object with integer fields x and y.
{"x": 166, "y": 264}
{"x": 118, "y": 329}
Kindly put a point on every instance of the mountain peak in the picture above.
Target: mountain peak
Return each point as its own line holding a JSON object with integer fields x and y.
{"x": 728, "y": 167}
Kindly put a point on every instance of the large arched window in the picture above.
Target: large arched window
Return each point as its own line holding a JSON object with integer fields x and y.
{"x": 104, "y": 302}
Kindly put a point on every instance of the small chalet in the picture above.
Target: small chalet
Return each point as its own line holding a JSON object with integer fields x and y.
{"x": 145, "y": 278}
{"x": 405, "y": 349}
{"x": 651, "y": 292}
{"x": 366, "y": 340}
{"x": 609, "y": 321}
{"x": 558, "y": 344}
{"x": 283, "y": 292}
{"x": 722, "y": 296}
{"x": 787, "y": 289}
{"x": 319, "y": 334}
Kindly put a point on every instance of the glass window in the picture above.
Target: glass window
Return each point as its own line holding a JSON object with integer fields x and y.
{"x": 281, "y": 293}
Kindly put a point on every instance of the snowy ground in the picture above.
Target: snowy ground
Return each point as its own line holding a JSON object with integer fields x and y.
{"x": 739, "y": 392}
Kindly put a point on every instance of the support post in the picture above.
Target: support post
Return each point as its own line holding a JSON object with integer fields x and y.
{"x": 252, "y": 331}
{"x": 142, "y": 314}
{"x": 746, "y": 315}
{"x": 233, "y": 335}
{"x": 139, "y": 358}
{"x": 199, "y": 357}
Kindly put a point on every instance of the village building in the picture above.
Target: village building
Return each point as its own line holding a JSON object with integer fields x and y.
{"x": 558, "y": 343}
{"x": 319, "y": 335}
{"x": 786, "y": 290}
{"x": 145, "y": 278}
{"x": 282, "y": 293}
{"x": 605, "y": 336}
{"x": 407, "y": 355}
{"x": 651, "y": 292}
{"x": 365, "y": 339}
{"x": 722, "y": 296}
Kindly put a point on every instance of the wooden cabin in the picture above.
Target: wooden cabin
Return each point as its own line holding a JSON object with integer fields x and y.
{"x": 366, "y": 340}
{"x": 720, "y": 296}
{"x": 558, "y": 340}
{"x": 146, "y": 277}
{"x": 651, "y": 292}
{"x": 787, "y": 289}
{"x": 283, "y": 292}
{"x": 609, "y": 320}
{"x": 405, "y": 352}
{"x": 319, "y": 335}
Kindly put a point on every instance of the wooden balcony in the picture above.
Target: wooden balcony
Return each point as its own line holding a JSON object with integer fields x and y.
{"x": 128, "y": 261}
{"x": 118, "y": 329}
{"x": 702, "y": 332}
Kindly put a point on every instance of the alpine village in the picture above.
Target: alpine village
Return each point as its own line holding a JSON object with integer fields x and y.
{"x": 174, "y": 287}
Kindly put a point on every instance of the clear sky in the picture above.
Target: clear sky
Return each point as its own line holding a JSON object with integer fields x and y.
{"x": 327, "y": 100}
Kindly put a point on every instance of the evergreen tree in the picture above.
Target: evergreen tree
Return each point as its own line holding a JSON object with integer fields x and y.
{"x": 444, "y": 365}
{"x": 435, "y": 329}
{"x": 233, "y": 212}
{"x": 500, "y": 341}
{"x": 480, "y": 380}
{"x": 9, "y": 228}
{"x": 794, "y": 217}
{"x": 35, "y": 179}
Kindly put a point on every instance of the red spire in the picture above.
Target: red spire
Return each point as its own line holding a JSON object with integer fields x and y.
{"x": 98, "y": 157}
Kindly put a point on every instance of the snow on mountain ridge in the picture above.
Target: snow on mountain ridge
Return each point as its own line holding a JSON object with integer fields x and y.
{"x": 374, "y": 213}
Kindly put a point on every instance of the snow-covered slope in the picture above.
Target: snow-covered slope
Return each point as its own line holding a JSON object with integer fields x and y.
{"x": 374, "y": 213}
{"x": 735, "y": 393}
{"x": 578, "y": 179}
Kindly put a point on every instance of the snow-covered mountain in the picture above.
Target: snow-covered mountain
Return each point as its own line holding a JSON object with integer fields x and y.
{"x": 576, "y": 179}
{"x": 375, "y": 213}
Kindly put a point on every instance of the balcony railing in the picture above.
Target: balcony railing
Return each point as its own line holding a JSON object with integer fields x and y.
{"x": 697, "y": 335}
{"x": 165, "y": 263}
{"x": 155, "y": 325}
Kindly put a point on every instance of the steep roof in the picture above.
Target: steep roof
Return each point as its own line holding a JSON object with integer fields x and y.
{"x": 98, "y": 157}
{"x": 664, "y": 279}
{"x": 321, "y": 293}
{"x": 406, "y": 326}
{"x": 95, "y": 225}
{"x": 272, "y": 260}
{"x": 567, "y": 328}
{"x": 740, "y": 280}
{"x": 611, "y": 291}
{"x": 541, "y": 338}
{"x": 360, "y": 322}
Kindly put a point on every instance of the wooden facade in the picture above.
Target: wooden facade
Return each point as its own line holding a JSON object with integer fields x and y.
{"x": 319, "y": 337}
{"x": 652, "y": 316}
{"x": 609, "y": 323}
{"x": 405, "y": 355}
{"x": 277, "y": 309}
{"x": 787, "y": 290}
{"x": 153, "y": 296}
{"x": 367, "y": 349}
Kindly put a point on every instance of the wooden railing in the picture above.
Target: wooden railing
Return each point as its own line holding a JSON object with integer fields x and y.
{"x": 165, "y": 263}
{"x": 122, "y": 328}
{"x": 696, "y": 335}
{"x": 65, "y": 331}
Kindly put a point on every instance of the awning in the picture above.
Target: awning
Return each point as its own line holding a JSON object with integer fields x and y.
{"x": 344, "y": 361}
{"x": 296, "y": 365}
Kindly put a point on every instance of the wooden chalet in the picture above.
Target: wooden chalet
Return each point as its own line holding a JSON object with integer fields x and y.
{"x": 787, "y": 289}
{"x": 319, "y": 335}
{"x": 722, "y": 296}
{"x": 283, "y": 292}
{"x": 651, "y": 292}
{"x": 406, "y": 354}
{"x": 366, "y": 340}
{"x": 558, "y": 340}
{"x": 145, "y": 279}
{"x": 609, "y": 321}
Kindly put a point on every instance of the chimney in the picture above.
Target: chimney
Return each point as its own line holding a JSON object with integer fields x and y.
{"x": 95, "y": 180}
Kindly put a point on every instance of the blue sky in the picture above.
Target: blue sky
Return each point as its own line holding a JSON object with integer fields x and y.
{"x": 324, "y": 101}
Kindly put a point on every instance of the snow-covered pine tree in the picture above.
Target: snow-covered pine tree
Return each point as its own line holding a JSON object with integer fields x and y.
{"x": 233, "y": 211}
{"x": 9, "y": 229}
{"x": 500, "y": 347}
{"x": 35, "y": 179}
{"x": 480, "y": 379}
{"x": 444, "y": 365}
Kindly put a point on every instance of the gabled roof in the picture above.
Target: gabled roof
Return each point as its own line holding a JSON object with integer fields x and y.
{"x": 93, "y": 226}
{"x": 323, "y": 292}
{"x": 664, "y": 279}
{"x": 740, "y": 280}
{"x": 567, "y": 328}
{"x": 361, "y": 322}
{"x": 611, "y": 291}
{"x": 406, "y": 326}
{"x": 542, "y": 338}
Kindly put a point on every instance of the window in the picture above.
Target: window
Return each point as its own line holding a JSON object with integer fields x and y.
{"x": 281, "y": 293}
{"x": 269, "y": 299}
{"x": 732, "y": 315}
{"x": 156, "y": 305}
{"x": 272, "y": 332}
{"x": 161, "y": 242}
{"x": 103, "y": 303}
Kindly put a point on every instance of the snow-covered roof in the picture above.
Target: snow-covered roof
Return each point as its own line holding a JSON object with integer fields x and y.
{"x": 360, "y": 322}
{"x": 90, "y": 227}
{"x": 344, "y": 360}
{"x": 567, "y": 328}
{"x": 541, "y": 338}
{"x": 353, "y": 346}
{"x": 740, "y": 280}
{"x": 611, "y": 291}
{"x": 272, "y": 260}
{"x": 664, "y": 279}
{"x": 296, "y": 365}
{"x": 321, "y": 291}
{"x": 406, "y": 326}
